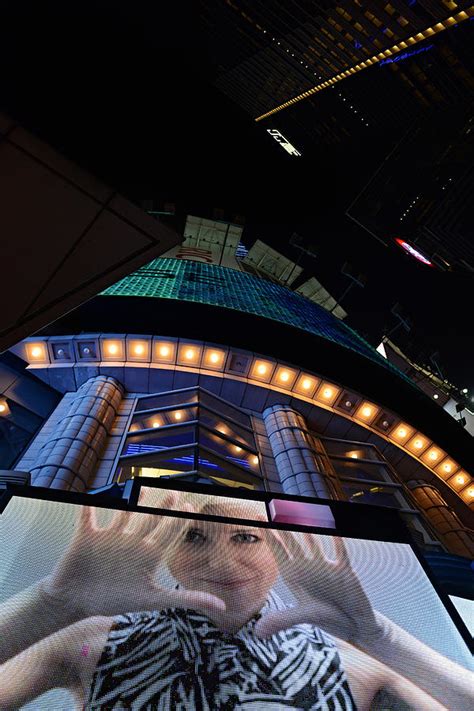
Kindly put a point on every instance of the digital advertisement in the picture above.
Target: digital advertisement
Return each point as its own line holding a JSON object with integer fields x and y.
{"x": 110, "y": 609}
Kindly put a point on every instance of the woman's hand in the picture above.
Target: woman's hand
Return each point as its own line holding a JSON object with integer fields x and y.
{"x": 111, "y": 570}
{"x": 328, "y": 592}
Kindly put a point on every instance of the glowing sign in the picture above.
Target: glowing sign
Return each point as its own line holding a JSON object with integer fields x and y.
{"x": 284, "y": 143}
{"x": 406, "y": 55}
{"x": 413, "y": 252}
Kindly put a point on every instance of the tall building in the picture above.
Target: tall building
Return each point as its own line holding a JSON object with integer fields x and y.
{"x": 205, "y": 367}
{"x": 325, "y": 73}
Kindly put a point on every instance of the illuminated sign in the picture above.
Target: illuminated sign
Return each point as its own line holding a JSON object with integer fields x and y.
{"x": 284, "y": 142}
{"x": 205, "y": 604}
{"x": 413, "y": 252}
{"x": 405, "y": 55}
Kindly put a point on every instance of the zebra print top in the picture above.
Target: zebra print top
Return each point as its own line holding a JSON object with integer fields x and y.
{"x": 177, "y": 659}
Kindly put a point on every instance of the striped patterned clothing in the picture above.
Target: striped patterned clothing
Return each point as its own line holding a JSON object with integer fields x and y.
{"x": 177, "y": 659}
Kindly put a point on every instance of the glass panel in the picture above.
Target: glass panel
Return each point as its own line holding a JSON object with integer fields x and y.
{"x": 223, "y": 469}
{"x": 234, "y": 453}
{"x": 159, "y": 439}
{"x": 361, "y": 470}
{"x": 158, "y": 464}
{"x": 224, "y": 409}
{"x": 354, "y": 450}
{"x": 369, "y": 494}
{"x": 227, "y": 428}
{"x": 160, "y": 419}
{"x": 167, "y": 399}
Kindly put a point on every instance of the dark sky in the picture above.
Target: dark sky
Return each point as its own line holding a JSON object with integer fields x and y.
{"x": 124, "y": 89}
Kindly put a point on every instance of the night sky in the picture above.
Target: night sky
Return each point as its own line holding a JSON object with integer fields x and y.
{"x": 124, "y": 89}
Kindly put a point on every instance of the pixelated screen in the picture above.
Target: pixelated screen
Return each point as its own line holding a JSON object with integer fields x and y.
{"x": 106, "y": 609}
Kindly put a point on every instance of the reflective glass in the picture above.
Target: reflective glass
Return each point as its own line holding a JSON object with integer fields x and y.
{"x": 159, "y": 439}
{"x": 361, "y": 470}
{"x": 167, "y": 399}
{"x": 158, "y": 464}
{"x": 224, "y": 409}
{"x": 160, "y": 419}
{"x": 353, "y": 450}
{"x": 226, "y": 428}
{"x": 226, "y": 471}
{"x": 372, "y": 494}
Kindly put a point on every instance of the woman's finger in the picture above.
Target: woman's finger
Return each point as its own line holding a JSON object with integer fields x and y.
{"x": 199, "y": 601}
{"x": 87, "y": 520}
{"x": 120, "y": 518}
{"x": 341, "y": 551}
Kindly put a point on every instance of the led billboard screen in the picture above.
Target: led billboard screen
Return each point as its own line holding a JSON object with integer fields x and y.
{"x": 215, "y": 608}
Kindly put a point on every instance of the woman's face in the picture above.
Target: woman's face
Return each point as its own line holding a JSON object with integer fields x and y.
{"x": 233, "y": 562}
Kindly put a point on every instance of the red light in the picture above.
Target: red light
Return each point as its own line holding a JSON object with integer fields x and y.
{"x": 413, "y": 252}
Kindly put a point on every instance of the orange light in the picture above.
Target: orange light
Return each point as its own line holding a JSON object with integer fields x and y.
{"x": 2, "y": 407}
{"x": 306, "y": 384}
{"x": 354, "y": 456}
{"x": 327, "y": 392}
{"x": 447, "y": 467}
{"x": 402, "y": 432}
{"x": 155, "y": 424}
{"x": 190, "y": 354}
{"x": 460, "y": 479}
{"x": 261, "y": 369}
{"x": 177, "y": 416}
{"x": 255, "y": 460}
{"x": 284, "y": 376}
{"x": 418, "y": 444}
{"x": 433, "y": 455}
{"x": 37, "y": 352}
{"x": 112, "y": 348}
{"x": 238, "y": 449}
{"x": 470, "y": 492}
{"x": 139, "y": 349}
{"x": 134, "y": 428}
{"x": 367, "y": 411}
{"x": 164, "y": 351}
{"x": 214, "y": 357}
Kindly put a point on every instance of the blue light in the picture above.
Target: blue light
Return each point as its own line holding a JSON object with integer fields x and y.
{"x": 406, "y": 55}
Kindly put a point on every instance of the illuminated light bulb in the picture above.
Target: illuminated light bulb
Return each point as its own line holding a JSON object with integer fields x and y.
{"x": 164, "y": 351}
{"x": 306, "y": 384}
{"x": 255, "y": 460}
{"x": 460, "y": 479}
{"x": 327, "y": 392}
{"x": 402, "y": 432}
{"x": 433, "y": 455}
{"x": 447, "y": 467}
{"x": 354, "y": 456}
{"x": 134, "y": 428}
{"x": 37, "y": 352}
{"x": 237, "y": 448}
{"x": 366, "y": 411}
{"x": 139, "y": 349}
{"x": 418, "y": 443}
{"x": 112, "y": 348}
{"x": 261, "y": 369}
{"x": 470, "y": 492}
{"x": 155, "y": 424}
{"x": 189, "y": 354}
{"x": 436, "y": 396}
{"x": 214, "y": 357}
{"x": 348, "y": 403}
{"x": 3, "y": 408}
{"x": 284, "y": 376}
{"x": 177, "y": 416}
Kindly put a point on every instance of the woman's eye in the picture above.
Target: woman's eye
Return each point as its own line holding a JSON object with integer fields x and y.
{"x": 245, "y": 538}
{"x": 194, "y": 536}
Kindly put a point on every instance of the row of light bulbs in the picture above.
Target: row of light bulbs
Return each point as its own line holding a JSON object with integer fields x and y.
{"x": 274, "y": 374}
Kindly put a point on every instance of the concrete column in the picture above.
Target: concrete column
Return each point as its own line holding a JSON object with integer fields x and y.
{"x": 299, "y": 467}
{"x": 68, "y": 458}
{"x": 457, "y": 538}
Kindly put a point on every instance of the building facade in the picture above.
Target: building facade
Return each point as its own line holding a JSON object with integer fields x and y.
{"x": 192, "y": 371}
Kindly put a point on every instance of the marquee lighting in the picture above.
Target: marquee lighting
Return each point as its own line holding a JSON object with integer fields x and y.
{"x": 37, "y": 352}
{"x": 4, "y": 409}
{"x": 419, "y": 37}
